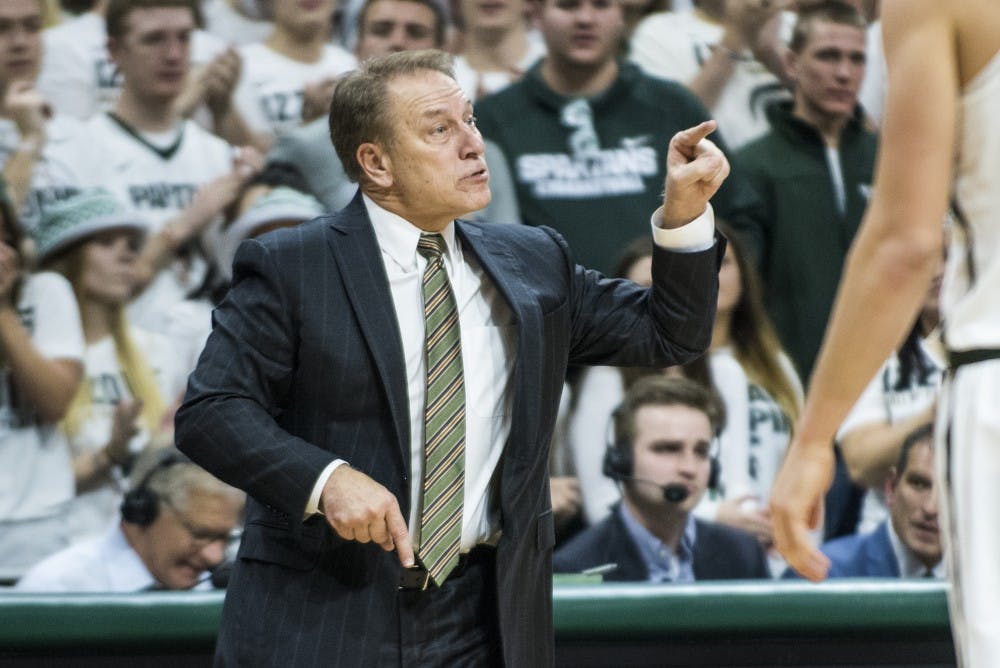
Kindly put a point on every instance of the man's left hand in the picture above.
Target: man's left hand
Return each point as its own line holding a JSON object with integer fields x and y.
{"x": 696, "y": 169}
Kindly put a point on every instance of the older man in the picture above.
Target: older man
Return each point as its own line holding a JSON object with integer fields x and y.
{"x": 384, "y": 382}
{"x": 175, "y": 527}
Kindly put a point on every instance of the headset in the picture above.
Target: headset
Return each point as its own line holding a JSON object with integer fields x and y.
{"x": 141, "y": 505}
{"x": 618, "y": 464}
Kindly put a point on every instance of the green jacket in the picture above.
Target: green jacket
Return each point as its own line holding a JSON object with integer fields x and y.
{"x": 802, "y": 240}
{"x": 593, "y": 169}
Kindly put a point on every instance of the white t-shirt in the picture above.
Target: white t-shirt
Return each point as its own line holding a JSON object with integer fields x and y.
{"x": 36, "y": 473}
{"x": 270, "y": 93}
{"x": 232, "y": 27}
{"x": 157, "y": 176}
{"x": 54, "y": 177}
{"x": 91, "y": 511}
{"x": 77, "y": 76}
{"x": 476, "y": 84}
{"x": 675, "y": 45}
{"x": 882, "y": 403}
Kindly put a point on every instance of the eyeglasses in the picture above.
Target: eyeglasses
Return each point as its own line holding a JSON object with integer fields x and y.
{"x": 200, "y": 535}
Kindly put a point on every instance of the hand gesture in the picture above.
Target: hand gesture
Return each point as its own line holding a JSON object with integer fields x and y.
{"x": 358, "y": 508}
{"x": 797, "y": 506}
{"x": 220, "y": 77}
{"x": 695, "y": 170}
{"x": 316, "y": 98}
{"x": 24, "y": 104}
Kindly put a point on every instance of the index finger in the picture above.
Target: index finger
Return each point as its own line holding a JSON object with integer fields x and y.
{"x": 400, "y": 537}
{"x": 691, "y": 136}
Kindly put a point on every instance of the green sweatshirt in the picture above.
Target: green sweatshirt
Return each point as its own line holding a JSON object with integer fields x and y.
{"x": 802, "y": 241}
{"x": 593, "y": 169}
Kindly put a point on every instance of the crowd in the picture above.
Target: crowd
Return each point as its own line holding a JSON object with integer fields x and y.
{"x": 142, "y": 140}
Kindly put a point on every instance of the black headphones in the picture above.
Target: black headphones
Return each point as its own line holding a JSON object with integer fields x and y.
{"x": 618, "y": 464}
{"x": 141, "y": 505}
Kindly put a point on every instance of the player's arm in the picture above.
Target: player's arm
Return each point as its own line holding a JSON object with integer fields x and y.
{"x": 890, "y": 264}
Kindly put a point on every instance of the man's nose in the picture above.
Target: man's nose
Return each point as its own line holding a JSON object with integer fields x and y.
{"x": 213, "y": 553}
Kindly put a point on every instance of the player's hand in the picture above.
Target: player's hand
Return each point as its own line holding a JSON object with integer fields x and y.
{"x": 797, "y": 505}
{"x": 358, "y": 508}
{"x": 695, "y": 170}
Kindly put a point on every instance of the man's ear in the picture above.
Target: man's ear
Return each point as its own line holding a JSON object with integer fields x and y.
{"x": 112, "y": 47}
{"x": 790, "y": 61}
{"x": 889, "y": 487}
{"x": 375, "y": 164}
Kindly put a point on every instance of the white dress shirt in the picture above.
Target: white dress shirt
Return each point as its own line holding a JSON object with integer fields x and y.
{"x": 489, "y": 348}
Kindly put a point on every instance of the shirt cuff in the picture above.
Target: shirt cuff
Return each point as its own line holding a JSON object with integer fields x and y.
{"x": 312, "y": 507}
{"x": 698, "y": 235}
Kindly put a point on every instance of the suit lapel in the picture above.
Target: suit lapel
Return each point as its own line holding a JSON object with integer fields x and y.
{"x": 507, "y": 274}
{"x": 353, "y": 244}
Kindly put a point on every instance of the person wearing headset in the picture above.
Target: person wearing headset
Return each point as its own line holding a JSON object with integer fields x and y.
{"x": 176, "y": 523}
{"x": 663, "y": 456}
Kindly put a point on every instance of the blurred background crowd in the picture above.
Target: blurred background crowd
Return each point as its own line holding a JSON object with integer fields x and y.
{"x": 142, "y": 140}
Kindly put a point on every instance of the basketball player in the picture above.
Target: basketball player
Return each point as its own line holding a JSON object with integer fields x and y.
{"x": 941, "y": 139}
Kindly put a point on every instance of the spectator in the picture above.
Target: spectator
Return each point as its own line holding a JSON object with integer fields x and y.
{"x": 384, "y": 26}
{"x": 132, "y": 377}
{"x": 289, "y": 78}
{"x": 81, "y": 79}
{"x": 901, "y": 396}
{"x": 726, "y": 51}
{"x": 42, "y": 351}
{"x": 662, "y": 457}
{"x": 32, "y": 165}
{"x": 175, "y": 526}
{"x": 585, "y": 136}
{"x": 772, "y": 397}
{"x": 814, "y": 173}
{"x": 175, "y": 174}
{"x": 497, "y": 46}
{"x": 908, "y": 543}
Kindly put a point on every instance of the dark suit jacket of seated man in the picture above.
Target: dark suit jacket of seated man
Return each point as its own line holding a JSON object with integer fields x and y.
{"x": 664, "y": 455}
{"x": 306, "y": 367}
{"x": 719, "y": 553}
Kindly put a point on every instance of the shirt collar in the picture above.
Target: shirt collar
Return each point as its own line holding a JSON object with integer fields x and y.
{"x": 124, "y": 567}
{"x": 398, "y": 237}
{"x": 659, "y": 559}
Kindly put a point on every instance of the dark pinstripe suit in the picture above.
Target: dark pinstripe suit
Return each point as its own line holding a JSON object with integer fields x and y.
{"x": 305, "y": 364}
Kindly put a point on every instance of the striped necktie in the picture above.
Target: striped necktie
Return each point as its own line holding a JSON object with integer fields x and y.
{"x": 443, "y": 487}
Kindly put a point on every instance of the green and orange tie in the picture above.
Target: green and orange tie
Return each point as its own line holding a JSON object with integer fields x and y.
{"x": 443, "y": 489}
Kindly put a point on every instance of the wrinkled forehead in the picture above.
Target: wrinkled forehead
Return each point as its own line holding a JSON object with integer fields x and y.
{"x": 426, "y": 93}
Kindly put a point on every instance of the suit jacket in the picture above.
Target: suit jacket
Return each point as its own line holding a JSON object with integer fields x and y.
{"x": 305, "y": 365}
{"x": 863, "y": 555}
{"x": 720, "y": 553}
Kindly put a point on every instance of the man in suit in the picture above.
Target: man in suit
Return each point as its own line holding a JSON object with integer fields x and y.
{"x": 662, "y": 456}
{"x": 908, "y": 544}
{"x": 365, "y": 356}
